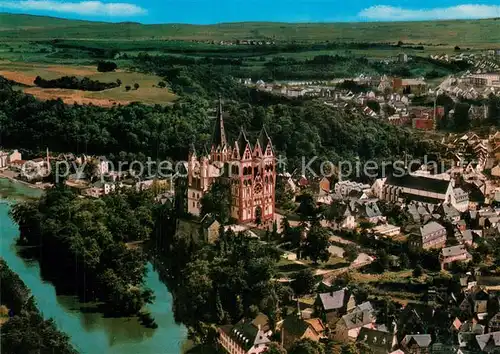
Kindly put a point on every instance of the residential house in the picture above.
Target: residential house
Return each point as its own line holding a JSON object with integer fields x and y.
{"x": 371, "y": 213}
{"x": 489, "y": 341}
{"x": 246, "y": 337}
{"x": 494, "y": 323}
{"x": 416, "y": 343}
{"x": 211, "y": 228}
{"x": 288, "y": 181}
{"x": 349, "y": 326}
{"x": 495, "y": 171}
{"x": 7, "y": 157}
{"x": 461, "y": 226}
{"x": 468, "y": 332}
{"x": 295, "y": 328}
{"x": 449, "y": 212}
{"x": 380, "y": 342}
{"x": 432, "y": 235}
{"x": 17, "y": 165}
{"x": 467, "y": 237}
{"x": 454, "y": 254}
{"x": 476, "y": 302}
{"x": 409, "y": 86}
{"x": 99, "y": 189}
{"x": 387, "y": 230}
{"x": 320, "y": 186}
{"x": 333, "y": 305}
{"x": 345, "y": 187}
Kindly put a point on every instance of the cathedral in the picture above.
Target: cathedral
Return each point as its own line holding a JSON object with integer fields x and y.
{"x": 248, "y": 168}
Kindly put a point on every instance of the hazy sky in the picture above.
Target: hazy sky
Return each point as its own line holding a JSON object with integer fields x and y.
{"x": 214, "y": 11}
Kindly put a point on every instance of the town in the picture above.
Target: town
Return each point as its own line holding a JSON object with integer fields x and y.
{"x": 249, "y": 187}
{"x": 442, "y": 220}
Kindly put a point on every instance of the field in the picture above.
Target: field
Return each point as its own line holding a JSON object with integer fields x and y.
{"x": 148, "y": 92}
{"x": 457, "y": 32}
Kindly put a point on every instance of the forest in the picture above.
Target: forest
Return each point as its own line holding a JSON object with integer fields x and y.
{"x": 280, "y": 67}
{"x": 304, "y": 128}
{"x": 87, "y": 238}
{"x": 26, "y": 331}
{"x": 74, "y": 83}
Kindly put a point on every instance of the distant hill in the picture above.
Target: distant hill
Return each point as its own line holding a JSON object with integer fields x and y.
{"x": 481, "y": 33}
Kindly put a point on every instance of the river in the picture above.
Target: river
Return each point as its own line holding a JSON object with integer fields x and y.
{"x": 89, "y": 331}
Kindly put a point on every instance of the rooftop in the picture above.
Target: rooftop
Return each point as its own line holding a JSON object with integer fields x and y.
{"x": 420, "y": 183}
{"x": 430, "y": 228}
{"x": 453, "y": 251}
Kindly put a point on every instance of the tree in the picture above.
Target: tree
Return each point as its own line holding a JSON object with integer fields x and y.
{"x": 461, "y": 117}
{"x": 106, "y": 66}
{"x": 274, "y": 233}
{"x": 307, "y": 207}
{"x": 494, "y": 109}
{"x": 374, "y": 106}
{"x": 382, "y": 260}
{"x": 418, "y": 271}
{"x": 119, "y": 82}
{"x": 404, "y": 261}
{"x": 258, "y": 216}
{"x": 136, "y": 86}
{"x": 217, "y": 201}
{"x": 350, "y": 252}
{"x": 304, "y": 282}
{"x": 457, "y": 48}
{"x": 275, "y": 348}
{"x": 349, "y": 349}
{"x": 306, "y": 346}
{"x": 316, "y": 244}
{"x": 128, "y": 88}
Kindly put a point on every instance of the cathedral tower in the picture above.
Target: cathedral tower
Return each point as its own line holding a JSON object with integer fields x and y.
{"x": 248, "y": 168}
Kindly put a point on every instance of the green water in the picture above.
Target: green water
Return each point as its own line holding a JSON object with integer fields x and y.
{"x": 90, "y": 332}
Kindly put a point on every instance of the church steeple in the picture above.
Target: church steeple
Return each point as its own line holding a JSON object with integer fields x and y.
{"x": 219, "y": 135}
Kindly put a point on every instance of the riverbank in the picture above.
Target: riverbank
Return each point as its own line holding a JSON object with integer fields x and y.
{"x": 90, "y": 331}
{"x": 11, "y": 176}
{"x": 13, "y": 190}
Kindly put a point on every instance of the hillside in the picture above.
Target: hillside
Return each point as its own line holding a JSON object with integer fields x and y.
{"x": 481, "y": 33}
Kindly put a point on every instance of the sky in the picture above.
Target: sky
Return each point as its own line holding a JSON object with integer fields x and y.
{"x": 216, "y": 11}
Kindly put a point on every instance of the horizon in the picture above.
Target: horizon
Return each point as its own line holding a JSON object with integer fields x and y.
{"x": 204, "y": 12}
{"x": 111, "y": 21}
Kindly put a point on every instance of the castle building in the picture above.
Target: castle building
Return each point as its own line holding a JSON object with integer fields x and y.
{"x": 249, "y": 169}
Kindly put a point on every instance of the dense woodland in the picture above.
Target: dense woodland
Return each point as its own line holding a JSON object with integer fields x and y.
{"x": 305, "y": 128}
{"x": 320, "y": 67}
{"x": 74, "y": 83}
{"x": 217, "y": 284}
{"x": 26, "y": 331}
{"x": 87, "y": 238}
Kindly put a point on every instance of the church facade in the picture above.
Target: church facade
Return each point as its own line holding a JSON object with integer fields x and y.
{"x": 248, "y": 168}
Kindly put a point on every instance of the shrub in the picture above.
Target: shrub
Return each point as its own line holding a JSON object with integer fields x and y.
{"x": 106, "y": 66}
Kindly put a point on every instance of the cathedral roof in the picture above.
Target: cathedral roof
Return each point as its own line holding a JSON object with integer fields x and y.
{"x": 219, "y": 134}
{"x": 242, "y": 142}
{"x": 264, "y": 139}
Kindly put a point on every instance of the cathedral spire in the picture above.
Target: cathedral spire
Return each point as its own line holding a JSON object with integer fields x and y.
{"x": 219, "y": 136}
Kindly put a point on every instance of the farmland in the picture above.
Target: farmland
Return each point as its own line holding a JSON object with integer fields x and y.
{"x": 32, "y": 46}
{"x": 148, "y": 92}
{"x": 457, "y": 32}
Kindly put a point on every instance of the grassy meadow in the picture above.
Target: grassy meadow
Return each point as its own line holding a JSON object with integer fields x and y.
{"x": 148, "y": 92}
{"x": 457, "y": 32}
